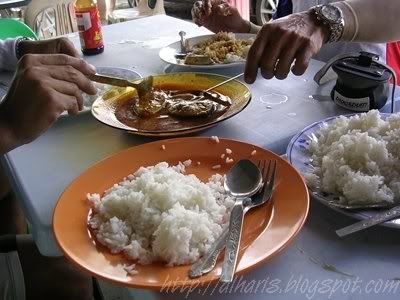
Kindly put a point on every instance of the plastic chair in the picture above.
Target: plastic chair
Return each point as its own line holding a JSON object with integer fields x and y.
{"x": 50, "y": 18}
{"x": 10, "y": 28}
{"x": 144, "y": 8}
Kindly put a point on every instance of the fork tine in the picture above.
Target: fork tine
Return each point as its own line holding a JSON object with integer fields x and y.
{"x": 271, "y": 180}
{"x": 265, "y": 175}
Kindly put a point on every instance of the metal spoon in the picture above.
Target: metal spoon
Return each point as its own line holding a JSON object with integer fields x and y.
{"x": 143, "y": 87}
{"x": 243, "y": 180}
{"x": 184, "y": 46}
{"x": 241, "y": 206}
{"x": 379, "y": 218}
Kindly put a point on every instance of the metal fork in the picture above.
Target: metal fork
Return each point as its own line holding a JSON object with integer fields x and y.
{"x": 207, "y": 263}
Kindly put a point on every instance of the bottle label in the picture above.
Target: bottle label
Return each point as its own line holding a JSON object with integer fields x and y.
{"x": 89, "y": 27}
{"x": 356, "y": 104}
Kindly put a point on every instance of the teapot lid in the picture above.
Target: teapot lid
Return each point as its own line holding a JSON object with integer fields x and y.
{"x": 365, "y": 65}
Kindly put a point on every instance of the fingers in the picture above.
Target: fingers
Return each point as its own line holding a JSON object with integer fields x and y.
{"x": 197, "y": 12}
{"x": 272, "y": 54}
{"x": 254, "y": 56}
{"x": 302, "y": 60}
{"x": 207, "y": 7}
{"x": 223, "y": 9}
{"x": 66, "y": 103}
{"x": 285, "y": 61}
{"x": 70, "y": 89}
{"x": 65, "y": 46}
{"x": 72, "y": 75}
{"x": 63, "y": 59}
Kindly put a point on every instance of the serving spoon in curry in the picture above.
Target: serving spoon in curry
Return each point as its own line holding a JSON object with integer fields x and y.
{"x": 144, "y": 86}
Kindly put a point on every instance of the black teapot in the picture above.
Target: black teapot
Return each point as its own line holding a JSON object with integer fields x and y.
{"x": 362, "y": 83}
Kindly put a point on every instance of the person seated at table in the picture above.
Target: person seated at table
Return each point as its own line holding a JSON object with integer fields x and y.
{"x": 218, "y": 14}
{"x": 300, "y": 36}
{"x": 49, "y": 79}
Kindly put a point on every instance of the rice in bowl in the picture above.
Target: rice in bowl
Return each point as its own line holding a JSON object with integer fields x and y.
{"x": 161, "y": 214}
{"x": 357, "y": 158}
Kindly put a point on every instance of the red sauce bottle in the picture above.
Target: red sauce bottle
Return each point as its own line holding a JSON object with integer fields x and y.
{"x": 89, "y": 26}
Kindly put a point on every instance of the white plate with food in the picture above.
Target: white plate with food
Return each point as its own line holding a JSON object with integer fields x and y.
{"x": 351, "y": 163}
{"x": 102, "y": 88}
{"x": 211, "y": 51}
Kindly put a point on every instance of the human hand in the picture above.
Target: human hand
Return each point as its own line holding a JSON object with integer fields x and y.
{"x": 53, "y": 46}
{"x": 218, "y": 15}
{"x": 295, "y": 38}
{"x": 44, "y": 86}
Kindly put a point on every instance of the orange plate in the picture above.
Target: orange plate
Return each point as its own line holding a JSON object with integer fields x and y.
{"x": 267, "y": 229}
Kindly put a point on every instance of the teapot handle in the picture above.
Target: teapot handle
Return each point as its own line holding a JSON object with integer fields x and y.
{"x": 321, "y": 73}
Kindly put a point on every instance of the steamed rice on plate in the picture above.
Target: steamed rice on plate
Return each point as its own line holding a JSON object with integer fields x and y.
{"x": 358, "y": 159}
{"x": 161, "y": 214}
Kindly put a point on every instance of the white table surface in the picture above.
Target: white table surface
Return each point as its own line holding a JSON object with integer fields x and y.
{"x": 317, "y": 265}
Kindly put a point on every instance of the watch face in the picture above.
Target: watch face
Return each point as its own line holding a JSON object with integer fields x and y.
{"x": 331, "y": 13}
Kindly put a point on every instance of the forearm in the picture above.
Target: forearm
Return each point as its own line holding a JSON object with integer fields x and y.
{"x": 6, "y": 140}
{"x": 378, "y": 21}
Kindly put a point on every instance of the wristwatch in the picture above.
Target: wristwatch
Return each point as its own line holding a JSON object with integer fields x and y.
{"x": 331, "y": 16}
{"x": 18, "y": 46}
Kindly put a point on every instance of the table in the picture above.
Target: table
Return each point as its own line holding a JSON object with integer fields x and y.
{"x": 6, "y": 4}
{"x": 316, "y": 265}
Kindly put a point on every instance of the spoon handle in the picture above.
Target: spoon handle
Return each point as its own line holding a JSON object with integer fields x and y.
{"x": 375, "y": 220}
{"x": 207, "y": 263}
{"x": 233, "y": 242}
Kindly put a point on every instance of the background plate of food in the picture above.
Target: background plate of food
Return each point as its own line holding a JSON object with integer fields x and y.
{"x": 146, "y": 229}
{"x": 219, "y": 50}
{"x": 177, "y": 106}
{"x": 351, "y": 163}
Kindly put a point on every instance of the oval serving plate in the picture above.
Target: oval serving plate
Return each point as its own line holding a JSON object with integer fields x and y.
{"x": 300, "y": 158}
{"x": 168, "y": 53}
{"x": 267, "y": 229}
{"x": 104, "y": 108}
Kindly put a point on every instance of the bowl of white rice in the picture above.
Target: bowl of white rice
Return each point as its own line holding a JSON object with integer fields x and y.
{"x": 351, "y": 162}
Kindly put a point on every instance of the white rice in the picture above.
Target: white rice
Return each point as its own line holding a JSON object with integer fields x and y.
{"x": 160, "y": 214}
{"x": 229, "y": 160}
{"x": 215, "y": 138}
{"x": 358, "y": 159}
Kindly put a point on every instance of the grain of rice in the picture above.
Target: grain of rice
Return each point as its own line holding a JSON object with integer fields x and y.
{"x": 254, "y": 152}
{"x": 214, "y": 138}
{"x": 187, "y": 162}
{"x": 131, "y": 269}
{"x": 215, "y": 167}
{"x": 223, "y": 155}
{"x": 229, "y": 160}
{"x": 228, "y": 151}
{"x": 163, "y": 147}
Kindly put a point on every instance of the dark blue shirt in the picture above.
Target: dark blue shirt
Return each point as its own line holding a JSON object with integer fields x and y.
{"x": 284, "y": 8}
